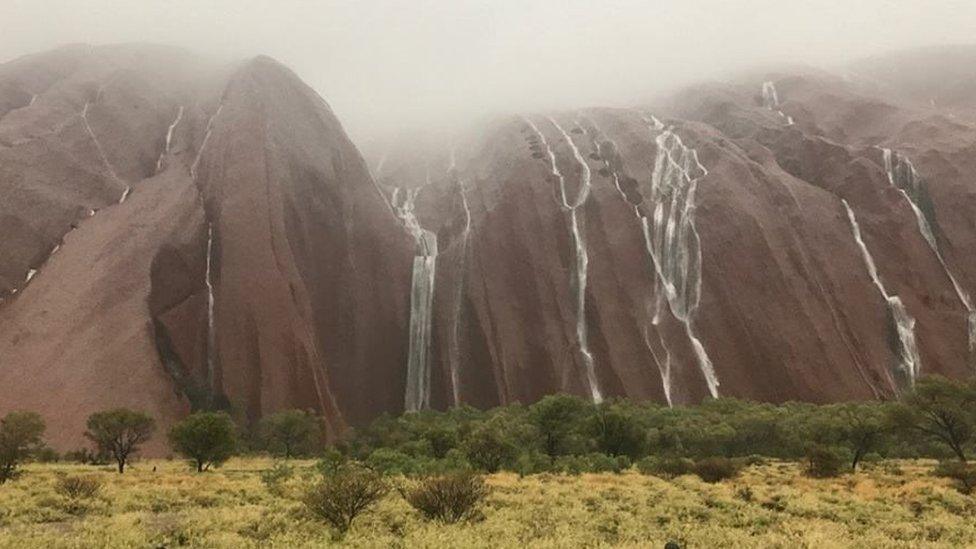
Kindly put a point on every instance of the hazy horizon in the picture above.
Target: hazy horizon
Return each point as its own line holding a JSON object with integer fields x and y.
{"x": 386, "y": 67}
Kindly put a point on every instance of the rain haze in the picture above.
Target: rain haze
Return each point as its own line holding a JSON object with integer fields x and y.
{"x": 387, "y": 66}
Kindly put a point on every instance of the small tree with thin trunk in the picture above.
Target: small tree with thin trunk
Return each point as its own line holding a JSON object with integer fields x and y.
{"x": 20, "y": 436}
{"x": 208, "y": 439}
{"x": 119, "y": 433}
{"x": 941, "y": 410}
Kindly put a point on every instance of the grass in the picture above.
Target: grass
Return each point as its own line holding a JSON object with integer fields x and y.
{"x": 892, "y": 504}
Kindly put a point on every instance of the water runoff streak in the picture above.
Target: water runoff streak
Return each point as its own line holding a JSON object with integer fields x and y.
{"x": 903, "y": 176}
{"x": 910, "y": 362}
{"x": 771, "y": 101}
{"x": 579, "y": 245}
{"x": 664, "y": 366}
{"x": 417, "y": 395}
{"x": 211, "y": 333}
{"x": 169, "y": 139}
{"x": 455, "y": 344}
{"x": 672, "y": 240}
{"x": 101, "y": 151}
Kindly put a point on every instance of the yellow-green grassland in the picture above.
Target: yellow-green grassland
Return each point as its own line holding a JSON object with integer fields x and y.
{"x": 165, "y": 504}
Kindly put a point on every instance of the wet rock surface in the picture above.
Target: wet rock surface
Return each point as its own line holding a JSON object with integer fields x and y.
{"x": 179, "y": 234}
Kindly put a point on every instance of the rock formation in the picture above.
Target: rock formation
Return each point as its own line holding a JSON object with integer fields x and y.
{"x": 180, "y": 234}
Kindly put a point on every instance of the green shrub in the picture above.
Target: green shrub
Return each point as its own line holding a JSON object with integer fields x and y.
{"x": 715, "y": 469}
{"x": 208, "y": 439}
{"x": 394, "y": 462}
{"x": 78, "y": 487}
{"x": 449, "y": 498}
{"x": 824, "y": 462}
{"x": 332, "y": 462}
{"x": 964, "y": 474}
{"x": 20, "y": 437}
{"x": 291, "y": 433}
{"x": 340, "y": 498}
{"x": 275, "y": 477}
{"x": 489, "y": 450}
{"x": 666, "y": 467}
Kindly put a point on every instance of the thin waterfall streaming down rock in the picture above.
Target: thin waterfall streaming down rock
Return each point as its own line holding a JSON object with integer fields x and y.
{"x": 455, "y": 343}
{"x": 98, "y": 147}
{"x": 672, "y": 239}
{"x": 211, "y": 332}
{"x": 910, "y": 361}
{"x": 903, "y": 176}
{"x": 169, "y": 139}
{"x": 664, "y": 365}
{"x": 579, "y": 246}
{"x": 417, "y": 395}
{"x": 206, "y": 139}
{"x": 771, "y": 101}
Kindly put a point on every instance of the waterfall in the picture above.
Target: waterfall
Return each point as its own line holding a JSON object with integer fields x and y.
{"x": 206, "y": 138}
{"x": 579, "y": 244}
{"x": 169, "y": 139}
{"x": 33, "y": 99}
{"x": 30, "y": 275}
{"x": 672, "y": 240}
{"x": 455, "y": 343}
{"x": 903, "y": 176}
{"x": 417, "y": 395}
{"x": 911, "y": 363}
{"x": 101, "y": 151}
{"x": 770, "y": 100}
{"x": 211, "y": 334}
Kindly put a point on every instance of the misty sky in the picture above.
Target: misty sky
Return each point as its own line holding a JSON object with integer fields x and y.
{"x": 385, "y": 66}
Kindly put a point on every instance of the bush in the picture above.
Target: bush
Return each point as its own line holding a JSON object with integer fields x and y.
{"x": 824, "y": 462}
{"x": 46, "y": 454}
{"x": 332, "y": 462}
{"x": 591, "y": 463}
{"x": 208, "y": 439}
{"x": 449, "y": 498}
{"x": 78, "y": 487}
{"x": 394, "y": 462}
{"x": 666, "y": 467}
{"x": 85, "y": 456}
{"x": 291, "y": 433}
{"x": 489, "y": 450}
{"x": 715, "y": 469}
{"x": 964, "y": 474}
{"x": 275, "y": 477}
{"x": 340, "y": 498}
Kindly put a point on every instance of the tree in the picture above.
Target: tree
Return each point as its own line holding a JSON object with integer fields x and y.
{"x": 119, "y": 433}
{"x": 291, "y": 433}
{"x": 861, "y": 429}
{"x": 208, "y": 439}
{"x": 618, "y": 431}
{"x": 557, "y": 417}
{"x": 488, "y": 449}
{"x": 939, "y": 409}
{"x": 20, "y": 436}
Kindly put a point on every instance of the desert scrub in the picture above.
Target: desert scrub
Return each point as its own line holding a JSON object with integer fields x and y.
{"x": 340, "y": 498}
{"x": 449, "y": 498}
{"x": 666, "y": 467}
{"x": 276, "y": 477}
{"x": 787, "y": 509}
{"x": 716, "y": 469}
